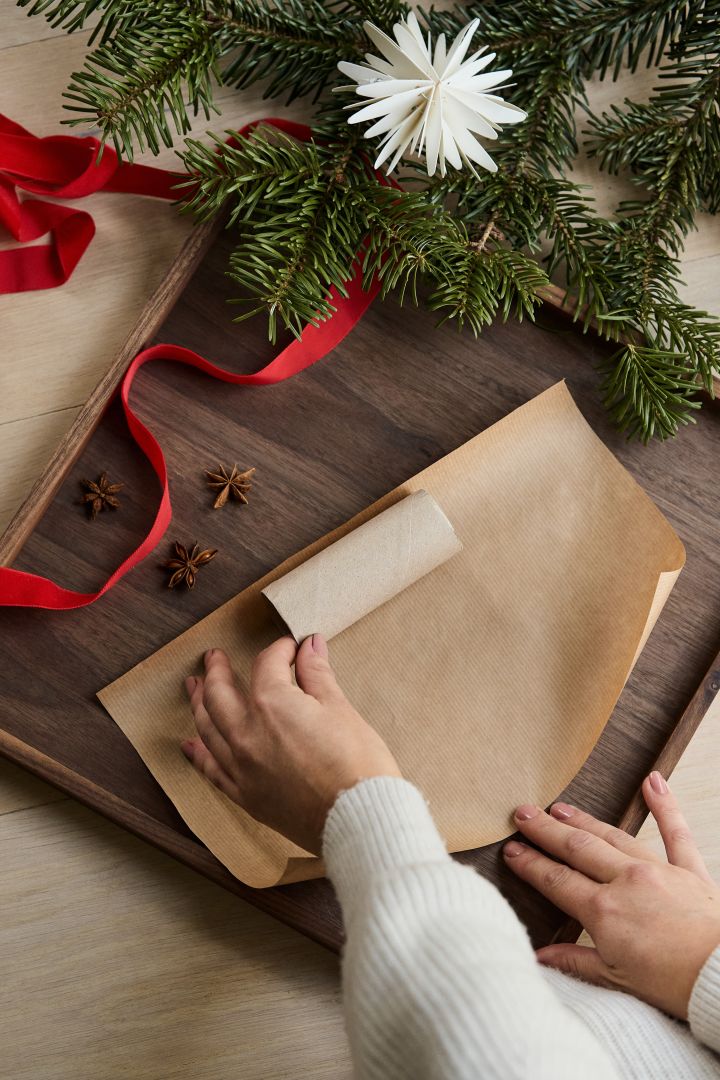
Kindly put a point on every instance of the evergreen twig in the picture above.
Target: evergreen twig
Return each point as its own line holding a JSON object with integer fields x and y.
{"x": 301, "y": 213}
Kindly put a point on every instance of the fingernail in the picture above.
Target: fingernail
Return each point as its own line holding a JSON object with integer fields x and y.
{"x": 319, "y": 645}
{"x": 657, "y": 783}
{"x": 562, "y": 810}
{"x": 208, "y": 654}
{"x": 187, "y": 749}
{"x": 524, "y": 813}
{"x": 512, "y": 848}
{"x": 190, "y": 682}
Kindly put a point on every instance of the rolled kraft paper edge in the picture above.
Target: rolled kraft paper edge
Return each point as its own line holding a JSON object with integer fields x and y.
{"x": 364, "y": 569}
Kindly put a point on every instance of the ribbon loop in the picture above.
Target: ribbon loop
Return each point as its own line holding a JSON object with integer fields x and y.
{"x": 69, "y": 168}
{"x": 57, "y": 165}
{"x": 64, "y": 166}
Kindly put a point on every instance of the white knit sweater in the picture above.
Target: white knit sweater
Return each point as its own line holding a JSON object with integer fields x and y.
{"x": 441, "y": 982}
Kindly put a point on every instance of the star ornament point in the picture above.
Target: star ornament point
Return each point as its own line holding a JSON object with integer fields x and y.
{"x": 431, "y": 102}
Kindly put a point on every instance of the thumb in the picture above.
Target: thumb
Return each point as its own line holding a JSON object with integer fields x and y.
{"x": 581, "y": 961}
{"x": 312, "y": 669}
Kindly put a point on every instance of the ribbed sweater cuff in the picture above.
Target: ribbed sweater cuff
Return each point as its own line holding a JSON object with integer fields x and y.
{"x": 375, "y": 826}
{"x": 704, "y": 1007}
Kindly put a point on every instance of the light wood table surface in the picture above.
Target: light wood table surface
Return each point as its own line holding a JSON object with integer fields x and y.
{"x": 115, "y": 961}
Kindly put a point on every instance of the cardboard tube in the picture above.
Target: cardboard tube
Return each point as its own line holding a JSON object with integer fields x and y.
{"x": 364, "y": 569}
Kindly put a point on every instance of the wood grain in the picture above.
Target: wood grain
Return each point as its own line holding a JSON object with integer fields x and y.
{"x": 19, "y": 790}
{"x": 699, "y": 704}
{"x": 694, "y": 784}
{"x": 635, "y": 813}
{"x": 314, "y": 909}
{"x": 75, "y": 439}
{"x": 57, "y": 344}
{"x": 566, "y": 304}
{"x": 117, "y": 962}
{"x": 67, "y": 337}
{"x": 325, "y": 443}
{"x": 181, "y": 979}
{"x": 24, "y": 452}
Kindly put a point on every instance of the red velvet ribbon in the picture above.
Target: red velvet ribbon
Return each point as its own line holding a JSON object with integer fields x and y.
{"x": 68, "y": 168}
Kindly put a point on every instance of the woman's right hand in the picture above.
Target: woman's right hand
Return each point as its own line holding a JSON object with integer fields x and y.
{"x": 654, "y": 923}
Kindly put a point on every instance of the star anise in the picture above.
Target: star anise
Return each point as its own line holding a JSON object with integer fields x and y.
{"x": 186, "y": 564}
{"x": 100, "y": 495}
{"x": 229, "y": 484}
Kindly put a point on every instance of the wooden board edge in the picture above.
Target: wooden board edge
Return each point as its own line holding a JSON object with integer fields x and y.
{"x": 186, "y": 850}
{"x": 677, "y": 743}
{"x": 71, "y": 445}
{"x": 564, "y": 302}
{"x": 189, "y": 851}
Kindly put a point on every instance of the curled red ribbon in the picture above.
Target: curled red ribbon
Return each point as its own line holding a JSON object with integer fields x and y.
{"x": 68, "y": 168}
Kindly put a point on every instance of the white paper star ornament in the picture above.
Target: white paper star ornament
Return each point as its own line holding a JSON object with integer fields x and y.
{"x": 431, "y": 104}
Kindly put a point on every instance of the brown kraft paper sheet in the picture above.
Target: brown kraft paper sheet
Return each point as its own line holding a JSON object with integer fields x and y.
{"x": 491, "y": 677}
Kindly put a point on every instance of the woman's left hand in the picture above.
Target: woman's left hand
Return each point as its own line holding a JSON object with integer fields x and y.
{"x": 654, "y": 923}
{"x": 285, "y": 749}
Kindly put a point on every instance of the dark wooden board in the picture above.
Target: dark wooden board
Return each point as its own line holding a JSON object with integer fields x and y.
{"x": 395, "y": 396}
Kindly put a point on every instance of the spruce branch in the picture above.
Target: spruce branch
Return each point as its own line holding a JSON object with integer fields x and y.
{"x": 248, "y": 174}
{"x": 155, "y": 61}
{"x": 298, "y": 228}
{"x": 106, "y": 16}
{"x": 670, "y": 145}
{"x": 401, "y": 238}
{"x": 648, "y": 392}
{"x": 337, "y": 208}
{"x": 471, "y": 274}
{"x": 380, "y": 12}
{"x": 592, "y": 38}
{"x": 290, "y": 271}
{"x": 619, "y": 33}
{"x": 146, "y": 78}
{"x": 294, "y": 45}
{"x": 527, "y": 201}
{"x": 483, "y": 280}
{"x": 300, "y": 213}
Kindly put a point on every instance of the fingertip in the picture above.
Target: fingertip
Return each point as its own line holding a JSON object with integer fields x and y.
{"x": 657, "y": 783}
{"x": 218, "y": 670}
{"x": 188, "y": 749}
{"x": 319, "y": 646}
{"x": 285, "y": 646}
{"x": 305, "y": 648}
{"x": 548, "y": 955}
{"x": 580, "y": 961}
{"x": 190, "y": 684}
{"x": 562, "y": 811}
{"x": 275, "y": 661}
{"x": 656, "y": 800}
{"x": 311, "y": 648}
{"x": 214, "y": 657}
{"x": 313, "y": 672}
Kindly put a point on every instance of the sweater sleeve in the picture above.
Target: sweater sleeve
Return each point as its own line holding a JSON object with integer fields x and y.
{"x": 704, "y": 1007}
{"x": 439, "y": 977}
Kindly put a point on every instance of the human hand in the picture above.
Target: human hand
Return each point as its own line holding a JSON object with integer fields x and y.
{"x": 654, "y": 923}
{"x": 282, "y": 752}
